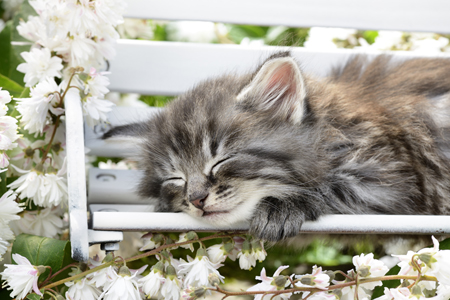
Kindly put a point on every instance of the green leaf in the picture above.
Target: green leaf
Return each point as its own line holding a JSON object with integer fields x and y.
{"x": 3, "y": 188}
{"x": 4, "y": 294}
{"x": 379, "y": 290}
{"x": 9, "y": 58}
{"x": 12, "y": 87}
{"x": 445, "y": 244}
{"x": 33, "y": 297}
{"x": 44, "y": 251}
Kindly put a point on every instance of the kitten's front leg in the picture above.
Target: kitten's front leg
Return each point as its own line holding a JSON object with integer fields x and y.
{"x": 276, "y": 219}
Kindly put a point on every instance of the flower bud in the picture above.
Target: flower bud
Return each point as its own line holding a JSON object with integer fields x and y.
{"x": 307, "y": 279}
{"x": 279, "y": 281}
{"x": 60, "y": 297}
{"x": 29, "y": 152}
{"x": 84, "y": 77}
{"x": 158, "y": 238}
{"x": 364, "y": 271}
{"x": 416, "y": 291}
{"x": 170, "y": 271}
{"x": 338, "y": 293}
{"x": 83, "y": 266}
{"x": 201, "y": 252}
{"x": 330, "y": 274}
{"x": 165, "y": 255}
{"x": 427, "y": 258}
{"x": 41, "y": 269}
{"x": 199, "y": 292}
{"x": 191, "y": 235}
{"x": 228, "y": 247}
{"x": 124, "y": 271}
{"x": 213, "y": 279}
{"x": 246, "y": 247}
{"x": 108, "y": 258}
{"x": 169, "y": 241}
{"x": 159, "y": 267}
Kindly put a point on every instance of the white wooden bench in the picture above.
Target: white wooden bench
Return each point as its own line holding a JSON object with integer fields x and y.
{"x": 170, "y": 68}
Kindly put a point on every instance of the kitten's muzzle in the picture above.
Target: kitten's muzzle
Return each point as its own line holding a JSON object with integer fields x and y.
{"x": 198, "y": 199}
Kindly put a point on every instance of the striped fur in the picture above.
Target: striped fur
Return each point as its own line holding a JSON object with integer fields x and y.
{"x": 276, "y": 147}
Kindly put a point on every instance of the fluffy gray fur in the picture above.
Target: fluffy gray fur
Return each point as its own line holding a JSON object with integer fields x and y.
{"x": 277, "y": 148}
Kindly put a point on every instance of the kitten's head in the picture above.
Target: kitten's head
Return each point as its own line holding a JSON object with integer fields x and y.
{"x": 230, "y": 143}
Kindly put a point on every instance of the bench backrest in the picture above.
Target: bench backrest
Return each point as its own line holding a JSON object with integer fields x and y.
{"x": 170, "y": 68}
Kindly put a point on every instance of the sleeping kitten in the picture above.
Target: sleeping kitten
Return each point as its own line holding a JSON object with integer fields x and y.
{"x": 277, "y": 148}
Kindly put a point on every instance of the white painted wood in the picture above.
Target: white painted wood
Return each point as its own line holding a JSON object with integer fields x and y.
{"x": 76, "y": 180}
{"x": 98, "y": 237}
{"x": 165, "y": 68}
{"x": 145, "y": 206}
{"x": 114, "y": 186}
{"x": 405, "y": 15}
{"x": 339, "y": 224}
{"x": 117, "y": 116}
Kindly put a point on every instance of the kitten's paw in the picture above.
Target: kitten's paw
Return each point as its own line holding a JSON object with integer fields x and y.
{"x": 275, "y": 220}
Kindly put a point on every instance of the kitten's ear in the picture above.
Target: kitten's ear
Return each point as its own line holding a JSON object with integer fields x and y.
{"x": 277, "y": 86}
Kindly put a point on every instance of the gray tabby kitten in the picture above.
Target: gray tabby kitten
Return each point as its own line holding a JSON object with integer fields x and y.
{"x": 277, "y": 148}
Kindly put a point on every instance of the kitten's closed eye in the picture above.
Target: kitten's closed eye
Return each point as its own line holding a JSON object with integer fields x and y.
{"x": 220, "y": 163}
{"x": 174, "y": 180}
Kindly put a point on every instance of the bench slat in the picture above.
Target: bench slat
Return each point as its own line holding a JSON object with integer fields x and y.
{"x": 337, "y": 224}
{"x": 405, "y": 15}
{"x": 169, "y": 68}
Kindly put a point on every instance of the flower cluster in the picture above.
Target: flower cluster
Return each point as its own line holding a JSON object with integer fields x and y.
{"x": 8, "y": 129}
{"x": 424, "y": 275}
{"x": 8, "y": 212}
{"x": 71, "y": 41}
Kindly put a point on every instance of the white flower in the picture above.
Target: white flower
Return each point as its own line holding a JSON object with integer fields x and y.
{"x": 25, "y": 153}
{"x": 45, "y": 222}
{"x": 198, "y": 270}
{"x": 266, "y": 285}
{"x": 348, "y": 293}
{"x": 121, "y": 286}
{"x": 367, "y": 266}
{"x": 246, "y": 260}
{"x": 28, "y": 185}
{"x": 3, "y": 247}
{"x": 216, "y": 253}
{"x": 95, "y": 110}
{"x": 321, "y": 296}
{"x": 171, "y": 288}
{"x": 8, "y": 133}
{"x": 54, "y": 190}
{"x": 4, "y": 160}
{"x": 39, "y": 65}
{"x": 395, "y": 294}
{"x": 33, "y": 29}
{"x": 5, "y": 231}
{"x": 99, "y": 278}
{"x": 151, "y": 284}
{"x": 317, "y": 279}
{"x": 110, "y": 11}
{"x": 5, "y": 97}
{"x": 21, "y": 278}
{"x": 34, "y": 110}
{"x": 97, "y": 83}
{"x": 9, "y": 208}
{"x": 438, "y": 262}
{"x": 81, "y": 290}
{"x": 184, "y": 238}
{"x": 151, "y": 242}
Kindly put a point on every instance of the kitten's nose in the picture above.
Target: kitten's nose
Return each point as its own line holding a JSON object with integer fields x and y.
{"x": 198, "y": 200}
